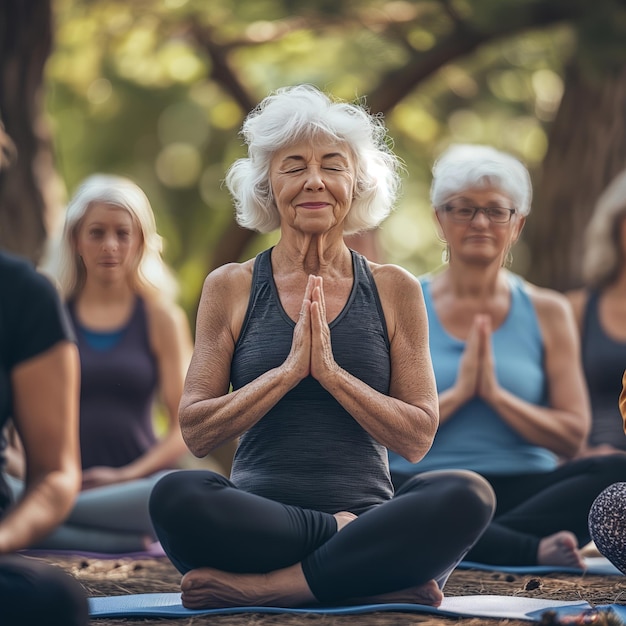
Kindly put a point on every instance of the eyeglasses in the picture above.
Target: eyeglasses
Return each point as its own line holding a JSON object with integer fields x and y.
{"x": 465, "y": 213}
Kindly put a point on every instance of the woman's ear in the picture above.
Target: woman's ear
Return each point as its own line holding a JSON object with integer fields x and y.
{"x": 519, "y": 227}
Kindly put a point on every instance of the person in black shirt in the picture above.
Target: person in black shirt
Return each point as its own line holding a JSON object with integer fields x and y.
{"x": 39, "y": 390}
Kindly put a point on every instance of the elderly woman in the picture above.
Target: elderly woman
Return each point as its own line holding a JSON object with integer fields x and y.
{"x": 512, "y": 396}
{"x": 600, "y": 310}
{"x": 327, "y": 355}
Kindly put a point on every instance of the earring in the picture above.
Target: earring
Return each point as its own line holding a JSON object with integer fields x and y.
{"x": 508, "y": 259}
{"x": 445, "y": 254}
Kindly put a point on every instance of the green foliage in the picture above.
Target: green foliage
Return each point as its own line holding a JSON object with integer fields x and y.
{"x": 152, "y": 89}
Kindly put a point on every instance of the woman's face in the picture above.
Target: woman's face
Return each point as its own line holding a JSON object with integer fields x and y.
{"x": 108, "y": 240}
{"x": 479, "y": 239}
{"x": 313, "y": 184}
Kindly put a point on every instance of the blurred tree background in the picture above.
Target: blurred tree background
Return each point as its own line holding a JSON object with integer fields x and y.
{"x": 157, "y": 89}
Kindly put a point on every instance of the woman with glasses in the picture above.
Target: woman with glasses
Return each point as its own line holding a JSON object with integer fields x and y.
{"x": 512, "y": 396}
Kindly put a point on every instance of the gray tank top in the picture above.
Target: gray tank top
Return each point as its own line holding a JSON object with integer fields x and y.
{"x": 307, "y": 450}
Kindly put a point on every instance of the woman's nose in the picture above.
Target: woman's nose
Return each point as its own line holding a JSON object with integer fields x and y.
{"x": 314, "y": 180}
{"x": 110, "y": 242}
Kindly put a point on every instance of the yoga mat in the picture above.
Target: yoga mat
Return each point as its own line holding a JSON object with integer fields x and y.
{"x": 597, "y": 565}
{"x": 153, "y": 552}
{"x": 502, "y": 607}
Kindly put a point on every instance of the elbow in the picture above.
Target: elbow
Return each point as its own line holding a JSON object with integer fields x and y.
{"x": 192, "y": 444}
{"x": 572, "y": 445}
{"x": 416, "y": 448}
{"x": 416, "y": 453}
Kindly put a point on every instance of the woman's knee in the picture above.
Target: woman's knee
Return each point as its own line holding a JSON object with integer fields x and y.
{"x": 609, "y": 469}
{"x": 462, "y": 493}
{"x": 181, "y": 491}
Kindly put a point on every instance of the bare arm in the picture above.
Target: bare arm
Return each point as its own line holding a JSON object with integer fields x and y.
{"x": 46, "y": 394}
{"x": 209, "y": 414}
{"x": 578, "y": 301}
{"x": 563, "y": 425}
{"x": 405, "y": 421}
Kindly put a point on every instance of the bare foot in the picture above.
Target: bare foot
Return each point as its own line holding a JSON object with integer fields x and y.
{"x": 560, "y": 549}
{"x": 343, "y": 519}
{"x": 428, "y": 594}
{"x": 207, "y": 588}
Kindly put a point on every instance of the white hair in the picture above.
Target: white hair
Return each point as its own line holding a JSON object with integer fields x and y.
{"x": 151, "y": 276}
{"x": 303, "y": 112}
{"x": 466, "y": 166}
{"x": 603, "y": 255}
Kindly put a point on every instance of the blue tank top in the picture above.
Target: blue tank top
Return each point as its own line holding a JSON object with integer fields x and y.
{"x": 475, "y": 437}
{"x": 604, "y": 362}
{"x": 117, "y": 393}
{"x": 307, "y": 450}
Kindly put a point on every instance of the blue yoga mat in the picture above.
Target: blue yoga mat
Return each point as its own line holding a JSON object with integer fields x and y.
{"x": 593, "y": 565}
{"x": 502, "y": 607}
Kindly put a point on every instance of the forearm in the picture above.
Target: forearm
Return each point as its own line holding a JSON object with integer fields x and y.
{"x": 404, "y": 428}
{"x": 450, "y": 401}
{"x": 45, "y": 504}
{"x": 206, "y": 424}
{"x": 562, "y": 432}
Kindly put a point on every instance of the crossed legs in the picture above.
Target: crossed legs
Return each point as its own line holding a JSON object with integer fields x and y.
{"x": 236, "y": 548}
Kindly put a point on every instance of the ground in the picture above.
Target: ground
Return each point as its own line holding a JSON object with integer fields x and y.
{"x": 122, "y": 576}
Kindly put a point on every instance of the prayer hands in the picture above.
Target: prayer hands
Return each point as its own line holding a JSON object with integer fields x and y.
{"x": 311, "y": 349}
{"x": 477, "y": 376}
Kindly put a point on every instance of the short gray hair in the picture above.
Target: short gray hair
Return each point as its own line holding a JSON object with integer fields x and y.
{"x": 302, "y": 112}
{"x": 465, "y": 166}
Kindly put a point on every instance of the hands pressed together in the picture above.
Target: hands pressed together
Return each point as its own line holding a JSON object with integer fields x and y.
{"x": 476, "y": 376}
{"x": 311, "y": 350}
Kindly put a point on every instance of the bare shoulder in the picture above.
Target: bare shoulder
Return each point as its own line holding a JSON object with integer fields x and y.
{"x": 229, "y": 279}
{"x": 553, "y": 307}
{"x": 394, "y": 281}
{"x": 400, "y": 295}
{"x": 224, "y": 300}
{"x": 164, "y": 313}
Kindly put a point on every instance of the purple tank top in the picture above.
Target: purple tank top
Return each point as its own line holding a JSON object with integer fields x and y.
{"x": 118, "y": 386}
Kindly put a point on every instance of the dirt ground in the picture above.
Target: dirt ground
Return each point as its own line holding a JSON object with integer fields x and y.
{"x": 123, "y": 576}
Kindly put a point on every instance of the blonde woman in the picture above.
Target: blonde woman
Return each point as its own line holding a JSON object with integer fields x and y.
{"x": 134, "y": 344}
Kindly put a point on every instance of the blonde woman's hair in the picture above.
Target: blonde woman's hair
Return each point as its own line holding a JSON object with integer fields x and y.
{"x": 603, "y": 256}
{"x": 150, "y": 277}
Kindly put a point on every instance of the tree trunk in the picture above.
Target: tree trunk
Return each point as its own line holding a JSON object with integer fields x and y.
{"x": 27, "y": 186}
{"x": 587, "y": 149}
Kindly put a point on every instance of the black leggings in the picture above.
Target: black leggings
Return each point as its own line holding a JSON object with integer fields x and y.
{"x": 533, "y": 506}
{"x": 32, "y": 592}
{"x": 203, "y": 520}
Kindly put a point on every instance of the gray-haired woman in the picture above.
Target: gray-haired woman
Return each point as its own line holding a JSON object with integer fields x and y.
{"x": 327, "y": 355}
